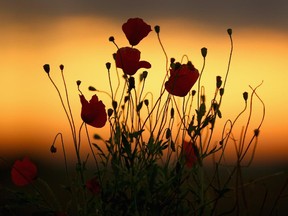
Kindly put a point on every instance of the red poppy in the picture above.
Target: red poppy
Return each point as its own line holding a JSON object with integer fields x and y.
{"x": 182, "y": 78}
{"x": 93, "y": 185}
{"x": 135, "y": 30}
{"x": 23, "y": 172}
{"x": 190, "y": 152}
{"x": 128, "y": 59}
{"x": 93, "y": 112}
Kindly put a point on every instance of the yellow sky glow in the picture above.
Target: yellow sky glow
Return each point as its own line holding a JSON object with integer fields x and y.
{"x": 31, "y": 114}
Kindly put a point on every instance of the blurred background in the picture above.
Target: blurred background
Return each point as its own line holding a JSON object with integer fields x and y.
{"x": 76, "y": 34}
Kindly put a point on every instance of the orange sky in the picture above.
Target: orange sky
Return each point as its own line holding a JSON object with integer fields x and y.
{"x": 31, "y": 114}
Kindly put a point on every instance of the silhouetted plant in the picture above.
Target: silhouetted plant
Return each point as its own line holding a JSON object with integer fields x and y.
{"x": 153, "y": 162}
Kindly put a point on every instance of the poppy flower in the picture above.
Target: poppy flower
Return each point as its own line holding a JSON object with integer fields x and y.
{"x": 190, "y": 152}
{"x": 93, "y": 112}
{"x": 128, "y": 59}
{"x": 93, "y": 185}
{"x": 182, "y": 78}
{"x": 135, "y": 30}
{"x": 23, "y": 172}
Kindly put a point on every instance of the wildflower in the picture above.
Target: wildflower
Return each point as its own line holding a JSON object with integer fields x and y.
{"x": 93, "y": 186}
{"x": 135, "y": 30}
{"x": 182, "y": 78}
{"x": 190, "y": 152}
{"x": 23, "y": 172}
{"x": 128, "y": 59}
{"x": 93, "y": 112}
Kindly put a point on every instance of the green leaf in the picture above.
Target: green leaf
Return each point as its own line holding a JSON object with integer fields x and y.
{"x": 139, "y": 106}
{"x": 219, "y": 113}
{"x": 98, "y": 148}
{"x": 126, "y": 146}
{"x": 97, "y": 137}
{"x": 135, "y": 134}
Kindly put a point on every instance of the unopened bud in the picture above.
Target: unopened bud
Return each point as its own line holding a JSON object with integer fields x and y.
{"x": 131, "y": 82}
{"x": 172, "y": 112}
{"x": 144, "y": 74}
{"x": 53, "y": 149}
{"x": 256, "y": 132}
{"x": 193, "y": 92}
{"x": 157, "y": 29}
{"x": 245, "y": 96}
{"x": 204, "y": 52}
{"x": 46, "y": 68}
{"x": 91, "y": 88}
{"x": 146, "y": 102}
{"x": 218, "y": 82}
{"x": 229, "y": 31}
{"x": 110, "y": 112}
{"x": 61, "y": 67}
{"x": 168, "y": 133}
{"x": 111, "y": 39}
{"x": 78, "y": 82}
{"x": 108, "y": 65}
{"x": 114, "y": 104}
{"x": 221, "y": 91}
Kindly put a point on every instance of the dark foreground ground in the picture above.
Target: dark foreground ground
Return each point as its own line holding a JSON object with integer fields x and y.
{"x": 266, "y": 190}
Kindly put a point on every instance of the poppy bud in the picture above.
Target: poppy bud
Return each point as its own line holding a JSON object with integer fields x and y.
{"x": 61, "y": 67}
{"x": 114, "y": 105}
{"x": 111, "y": 39}
{"x": 157, "y": 29}
{"x": 91, "y": 88}
{"x": 110, "y": 112}
{"x": 172, "y": 112}
{"x": 256, "y": 132}
{"x": 215, "y": 106}
{"x": 218, "y": 81}
{"x": 78, "y": 82}
{"x": 193, "y": 92}
{"x": 221, "y": 91}
{"x": 146, "y": 102}
{"x": 168, "y": 133}
{"x": 46, "y": 68}
{"x": 145, "y": 74}
{"x": 53, "y": 149}
{"x": 131, "y": 82}
{"x": 229, "y": 31}
{"x": 204, "y": 52}
{"x": 108, "y": 65}
{"x": 245, "y": 96}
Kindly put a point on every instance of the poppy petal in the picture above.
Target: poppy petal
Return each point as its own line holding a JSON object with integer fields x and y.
{"x": 93, "y": 112}
{"x": 135, "y": 29}
{"x": 23, "y": 172}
